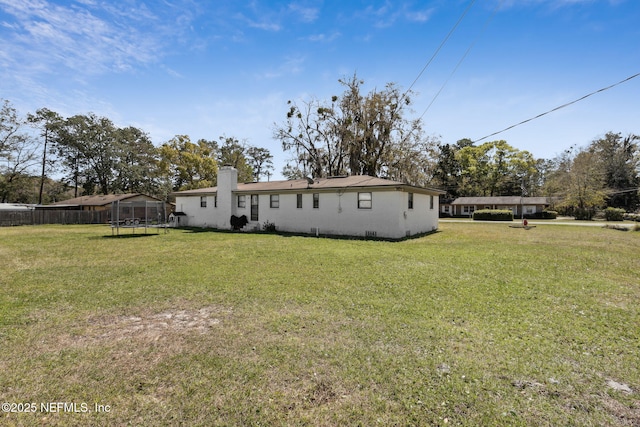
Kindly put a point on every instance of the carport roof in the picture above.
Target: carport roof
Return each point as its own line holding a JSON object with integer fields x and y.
{"x": 97, "y": 200}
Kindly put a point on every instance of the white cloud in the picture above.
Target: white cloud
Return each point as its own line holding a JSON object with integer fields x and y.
{"x": 419, "y": 15}
{"x": 51, "y": 53}
{"x": 554, "y": 4}
{"x": 74, "y": 37}
{"x": 305, "y": 14}
{"x": 389, "y": 13}
{"x": 324, "y": 38}
{"x": 265, "y": 21}
{"x": 264, "y": 25}
{"x": 384, "y": 16}
{"x": 290, "y": 66}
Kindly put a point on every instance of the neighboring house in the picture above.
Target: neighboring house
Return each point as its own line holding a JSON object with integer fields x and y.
{"x": 135, "y": 208}
{"x": 89, "y": 210}
{"x": 15, "y": 214}
{"x": 465, "y": 206}
{"x": 353, "y": 206}
{"x": 99, "y": 202}
{"x": 15, "y": 207}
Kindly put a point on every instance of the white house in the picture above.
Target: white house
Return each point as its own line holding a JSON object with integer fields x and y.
{"x": 465, "y": 206}
{"x": 350, "y": 206}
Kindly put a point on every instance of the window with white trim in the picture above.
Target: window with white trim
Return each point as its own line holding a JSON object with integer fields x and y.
{"x": 203, "y": 201}
{"x": 274, "y": 201}
{"x": 299, "y": 201}
{"x": 410, "y": 201}
{"x": 316, "y": 200}
{"x": 242, "y": 201}
{"x": 364, "y": 200}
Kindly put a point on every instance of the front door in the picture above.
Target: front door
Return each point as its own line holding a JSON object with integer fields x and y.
{"x": 254, "y": 207}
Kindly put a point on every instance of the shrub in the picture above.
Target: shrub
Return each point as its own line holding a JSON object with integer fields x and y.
{"x": 598, "y": 215}
{"x": 549, "y": 214}
{"x": 614, "y": 214}
{"x": 584, "y": 214}
{"x": 493, "y": 215}
{"x": 542, "y": 215}
{"x": 565, "y": 210}
{"x": 269, "y": 226}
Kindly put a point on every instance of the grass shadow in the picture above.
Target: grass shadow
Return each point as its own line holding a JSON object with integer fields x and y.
{"x": 127, "y": 236}
{"x": 307, "y": 235}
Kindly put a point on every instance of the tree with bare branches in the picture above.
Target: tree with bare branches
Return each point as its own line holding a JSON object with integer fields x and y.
{"x": 18, "y": 154}
{"x": 356, "y": 134}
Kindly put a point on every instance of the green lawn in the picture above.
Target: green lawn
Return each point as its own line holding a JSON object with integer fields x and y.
{"x": 477, "y": 324}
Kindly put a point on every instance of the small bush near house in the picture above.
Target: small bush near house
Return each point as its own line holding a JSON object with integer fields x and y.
{"x": 493, "y": 215}
{"x": 584, "y": 214}
{"x": 549, "y": 214}
{"x": 269, "y": 226}
{"x": 614, "y": 214}
{"x": 543, "y": 215}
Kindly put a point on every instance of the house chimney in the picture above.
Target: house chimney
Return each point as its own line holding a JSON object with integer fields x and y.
{"x": 227, "y": 184}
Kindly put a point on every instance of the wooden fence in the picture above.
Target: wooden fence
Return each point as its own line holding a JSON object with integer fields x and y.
{"x": 39, "y": 217}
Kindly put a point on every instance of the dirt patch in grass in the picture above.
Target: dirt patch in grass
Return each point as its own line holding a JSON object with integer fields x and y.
{"x": 625, "y": 414}
{"x": 143, "y": 325}
{"x": 155, "y": 326}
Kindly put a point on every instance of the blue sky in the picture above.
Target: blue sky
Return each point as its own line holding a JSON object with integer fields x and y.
{"x": 228, "y": 67}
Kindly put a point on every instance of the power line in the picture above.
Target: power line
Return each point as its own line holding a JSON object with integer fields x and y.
{"x": 464, "y": 13}
{"x": 440, "y": 47}
{"x": 473, "y": 43}
{"x": 444, "y": 41}
{"x": 559, "y": 107}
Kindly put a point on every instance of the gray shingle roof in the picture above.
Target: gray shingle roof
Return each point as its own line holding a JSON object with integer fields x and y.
{"x": 353, "y": 181}
{"x": 99, "y": 200}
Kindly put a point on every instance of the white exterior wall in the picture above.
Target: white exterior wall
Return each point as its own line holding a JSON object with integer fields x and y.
{"x": 196, "y": 215}
{"x": 227, "y": 183}
{"x": 424, "y": 215}
{"x": 337, "y": 214}
{"x": 220, "y": 206}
